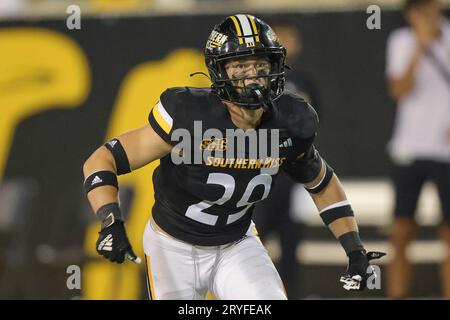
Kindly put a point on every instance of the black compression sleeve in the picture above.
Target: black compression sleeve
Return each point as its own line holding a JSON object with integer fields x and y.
{"x": 120, "y": 156}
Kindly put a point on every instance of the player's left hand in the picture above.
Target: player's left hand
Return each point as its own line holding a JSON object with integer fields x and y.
{"x": 359, "y": 269}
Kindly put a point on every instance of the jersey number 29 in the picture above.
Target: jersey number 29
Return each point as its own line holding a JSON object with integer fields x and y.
{"x": 196, "y": 213}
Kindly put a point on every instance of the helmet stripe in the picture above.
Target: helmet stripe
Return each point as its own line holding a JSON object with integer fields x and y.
{"x": 248, "y": 34}
{"x": 245, "y": 24}
{"x": 255, "y": 30}
{"x": 238, "y": 29}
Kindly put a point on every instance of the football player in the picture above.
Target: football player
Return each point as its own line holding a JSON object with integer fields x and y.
{"x": 200, "y": 236}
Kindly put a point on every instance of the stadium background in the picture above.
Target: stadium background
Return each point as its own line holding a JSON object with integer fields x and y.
{"x": 64, "y": 92}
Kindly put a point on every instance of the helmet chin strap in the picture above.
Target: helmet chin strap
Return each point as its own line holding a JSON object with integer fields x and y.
{"x": 255, "y": 89}
{"x": 268, "y": 106}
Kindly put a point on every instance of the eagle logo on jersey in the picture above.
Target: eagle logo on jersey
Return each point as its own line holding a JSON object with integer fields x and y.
{"x": 214, "y": 144}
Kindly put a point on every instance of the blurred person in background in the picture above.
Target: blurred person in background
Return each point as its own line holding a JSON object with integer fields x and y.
{"x": 418, "y": 72}
{"x": 287, "y": 225}
{"x": 12, "y": 8}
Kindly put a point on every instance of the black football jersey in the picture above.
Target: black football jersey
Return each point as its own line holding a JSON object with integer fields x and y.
{"x": 206, "y": 188}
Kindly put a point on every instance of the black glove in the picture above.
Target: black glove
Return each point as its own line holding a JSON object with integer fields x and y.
{"x": 359, "y": 269}
{"x": 113, "y": 242}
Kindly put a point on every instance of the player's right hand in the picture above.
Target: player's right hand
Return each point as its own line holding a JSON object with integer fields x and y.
{"x": 113, "y": 243}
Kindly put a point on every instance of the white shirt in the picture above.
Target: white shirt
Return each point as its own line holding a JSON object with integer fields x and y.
{"x": 423, "y": 115}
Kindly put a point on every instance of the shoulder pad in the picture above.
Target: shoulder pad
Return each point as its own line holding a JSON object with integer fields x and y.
{"x": 301, "y": 118}
{"x": 173, "y": 96}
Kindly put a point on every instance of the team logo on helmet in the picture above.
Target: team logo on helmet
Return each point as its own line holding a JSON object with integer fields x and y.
{"x": 272, "y": 36}
{"x": 216, "y": 39}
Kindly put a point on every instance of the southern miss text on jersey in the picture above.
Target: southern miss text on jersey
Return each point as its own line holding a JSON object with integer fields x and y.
{"x": 211, "y": 202}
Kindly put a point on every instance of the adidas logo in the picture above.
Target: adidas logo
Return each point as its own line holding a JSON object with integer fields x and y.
{"x": 112, "y": 143}
{"x": 109, "y": 220}
{"x": 96, "y": 180}
{"x": 286, "y": 143}
{"x": 106, "y": 244}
